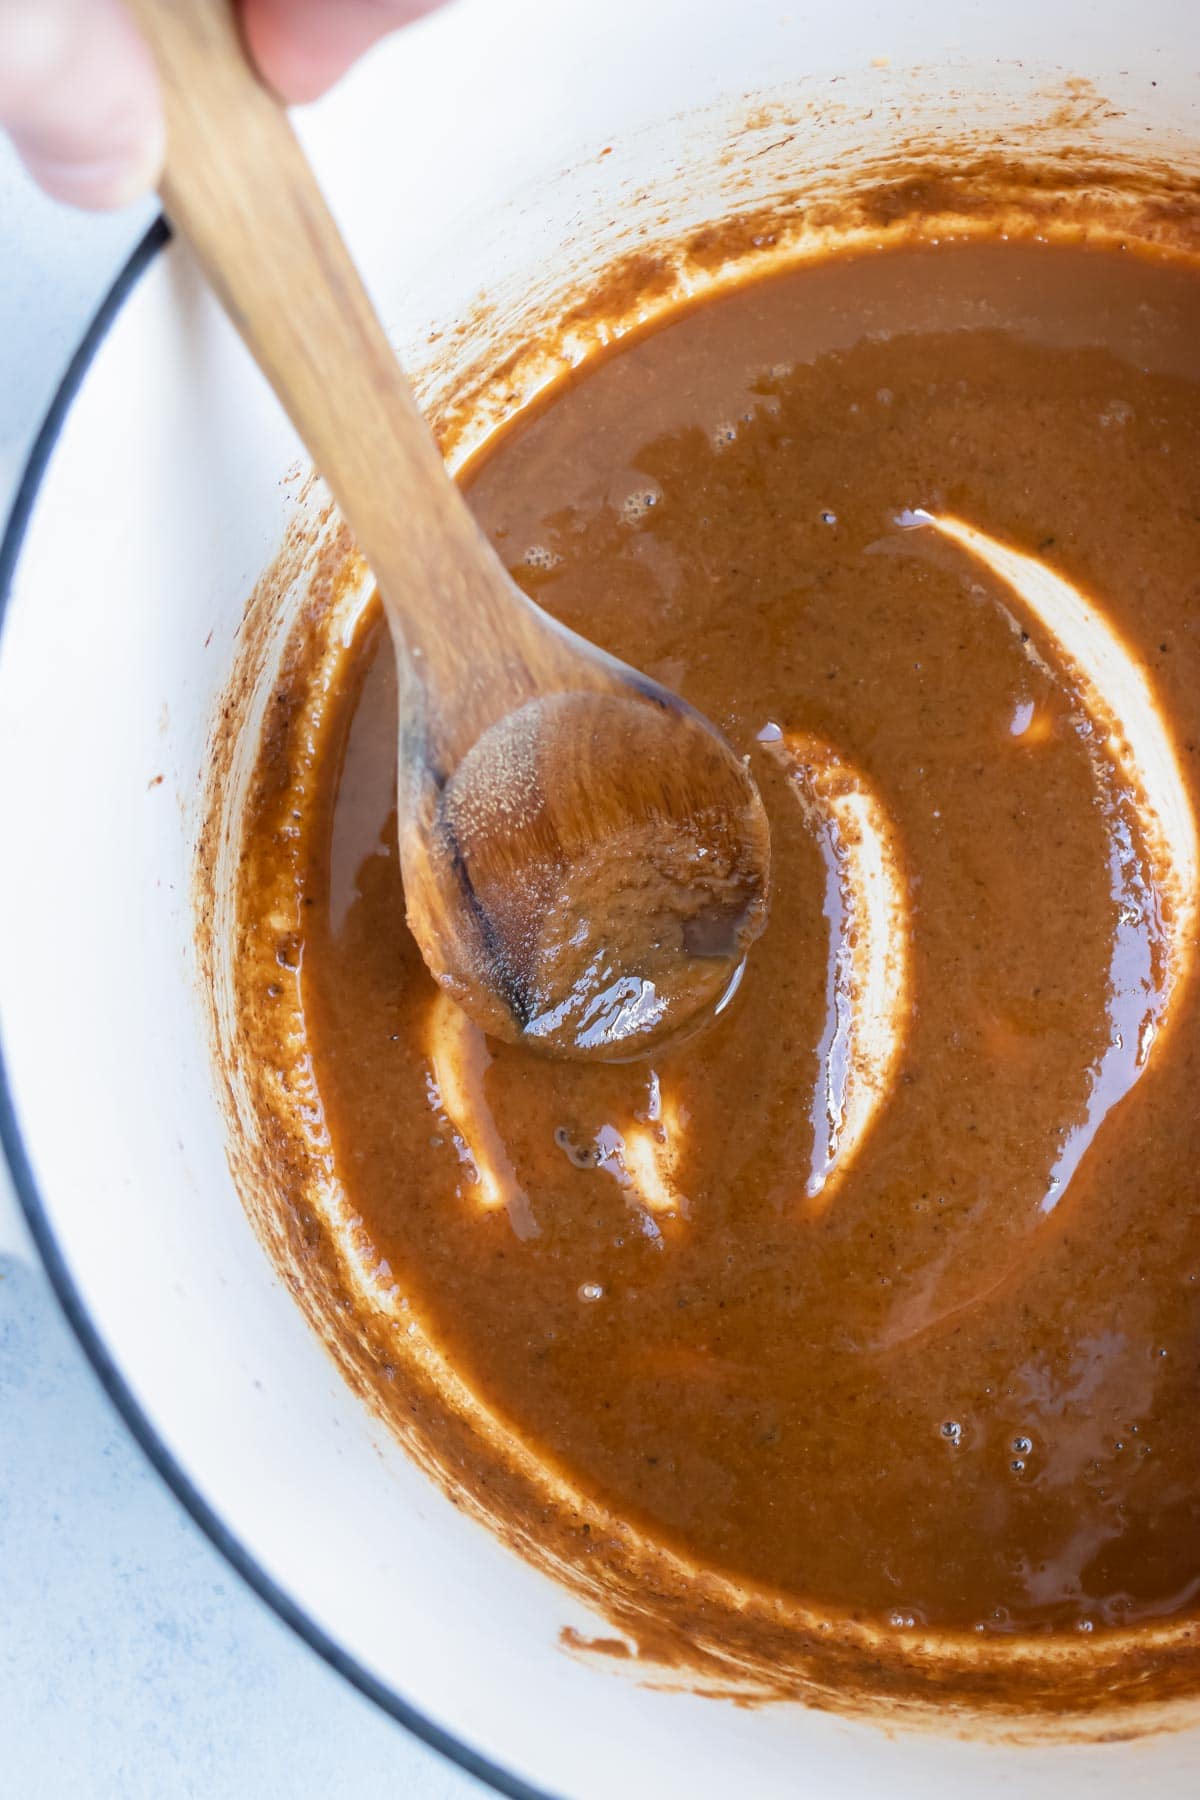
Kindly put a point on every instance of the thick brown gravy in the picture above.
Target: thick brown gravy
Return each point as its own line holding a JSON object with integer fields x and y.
{"x": 882, "y": 1290}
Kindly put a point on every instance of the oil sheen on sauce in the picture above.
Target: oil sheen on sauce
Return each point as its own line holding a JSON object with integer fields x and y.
{"x": 883, "y": 1289}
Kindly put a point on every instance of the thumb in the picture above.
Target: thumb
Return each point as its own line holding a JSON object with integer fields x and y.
{"x": 80, "y": 99}
{"x": 304, "y": 46}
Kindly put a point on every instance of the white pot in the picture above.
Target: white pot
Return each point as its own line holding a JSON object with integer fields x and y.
{"x": 464, "y": 157}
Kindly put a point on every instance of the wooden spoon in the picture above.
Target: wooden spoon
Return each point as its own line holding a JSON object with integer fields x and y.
{"x": 584, "y": 857}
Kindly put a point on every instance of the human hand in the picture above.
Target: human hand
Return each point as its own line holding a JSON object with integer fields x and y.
{"x": 79, "y": 96}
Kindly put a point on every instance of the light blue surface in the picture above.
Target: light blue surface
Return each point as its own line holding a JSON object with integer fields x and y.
{"x": 134, "y": 1665}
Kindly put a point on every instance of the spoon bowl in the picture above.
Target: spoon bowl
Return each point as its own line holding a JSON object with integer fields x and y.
{"x": 590, "y": 875}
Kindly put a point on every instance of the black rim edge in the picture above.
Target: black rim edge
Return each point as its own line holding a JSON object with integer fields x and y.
{"x": 30, "y": 1199}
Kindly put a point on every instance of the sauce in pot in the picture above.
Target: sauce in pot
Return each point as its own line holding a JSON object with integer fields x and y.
{"x": 881, "y": 1291}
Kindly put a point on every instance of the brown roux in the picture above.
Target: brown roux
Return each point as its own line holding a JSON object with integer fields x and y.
{"x": 951, "y": 1384}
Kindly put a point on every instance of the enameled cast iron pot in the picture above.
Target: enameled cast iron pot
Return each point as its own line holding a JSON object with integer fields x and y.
{"x": 464, "y": 162}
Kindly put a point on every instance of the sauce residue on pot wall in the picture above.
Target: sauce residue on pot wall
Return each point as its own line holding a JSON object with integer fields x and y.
{"x": 847, "y": 1351}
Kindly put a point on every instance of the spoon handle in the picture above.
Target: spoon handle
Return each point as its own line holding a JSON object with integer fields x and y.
{"x": 238, "y": 185}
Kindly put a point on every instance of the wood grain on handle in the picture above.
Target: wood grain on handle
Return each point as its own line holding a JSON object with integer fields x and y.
{"x": 239, "y": 187}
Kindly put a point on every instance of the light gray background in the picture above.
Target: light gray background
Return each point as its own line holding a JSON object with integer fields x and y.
{"x": 134, "y": 1665}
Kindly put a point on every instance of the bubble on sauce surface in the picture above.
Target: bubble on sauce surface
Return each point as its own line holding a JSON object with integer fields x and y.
{"x": 590, "y": 1290}
{"x": 635, "y": 506}
{"x": 580, "y": 1156}
{"x": 540, "y": 556}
